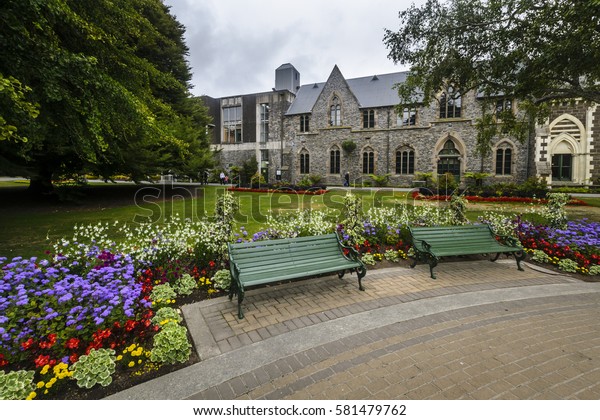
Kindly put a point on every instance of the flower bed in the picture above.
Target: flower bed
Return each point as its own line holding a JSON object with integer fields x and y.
{"x": 478, "y": 199}
{"x": 308, "y": 191}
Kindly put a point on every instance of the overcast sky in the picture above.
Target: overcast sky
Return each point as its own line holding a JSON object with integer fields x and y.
{"x": 236, "y": 45}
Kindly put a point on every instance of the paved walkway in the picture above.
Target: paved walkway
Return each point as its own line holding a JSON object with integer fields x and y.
{"x": 482, "y": 330}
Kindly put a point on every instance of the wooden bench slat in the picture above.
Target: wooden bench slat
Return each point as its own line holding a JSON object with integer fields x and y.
{"x": 431, "y": 243}
{"x": 271, "y": 261}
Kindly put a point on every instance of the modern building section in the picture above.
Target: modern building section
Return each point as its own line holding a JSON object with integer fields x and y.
{"x": 357, "y": 126}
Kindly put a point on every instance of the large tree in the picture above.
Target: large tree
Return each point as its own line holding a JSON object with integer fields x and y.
{"x": 534, "y": 51}
{"x": 96, "y": 86}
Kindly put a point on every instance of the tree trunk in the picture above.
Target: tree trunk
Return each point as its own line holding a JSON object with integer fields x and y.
{"x": 41, "y": 184}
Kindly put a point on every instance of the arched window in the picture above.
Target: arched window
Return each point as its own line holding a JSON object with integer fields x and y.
{"x": 504, "y": 155}
{"x": 368, "y": 161}
{"x": 449, "y": 159}
{"x": 450, "y": 104}
{"x": 334, "y": 160}
{"x": 405, "y": 161}
{"x": 304, "y": 162}
{"x": 335, "y": 109}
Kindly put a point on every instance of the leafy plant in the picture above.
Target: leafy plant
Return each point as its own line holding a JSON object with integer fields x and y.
{"x": 171, "y": 345}
{"x": 222, "y": 279}
{"x": 166, "y": 314}
{"x": 185, "y": 285}
{"x": 540, "y": 256}
{"x": 95, "y": 368}
{"x": 16, "y": 385}
{"x": 568, "y": 265}
{"x": 163, "y": 294}
{"x": 557, "y": 216}
{"x": 348, "y": 146}
{"x": 380, "y": 180}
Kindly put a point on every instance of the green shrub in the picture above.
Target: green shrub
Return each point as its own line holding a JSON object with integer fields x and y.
{"x": 368, "y": 259}
{"x": 165, "y": 314}
{"x": 380, "y": 180}
{"x": 446, "y": 184}
{"x": 595, "y": 270}
{"x": 95, "y": 368}
{"x": 392, "y": 255}
{"x": 171, "y": 345}
{"x": 348, "y": 146}
{"x": 16, "y": 385}
{"x": 185, "y": 285}
{"x": 222, "y": 279}
{"x": 162, "y": 295}
{"x": 540, "y": 256}
{"x": 568, "y": 265}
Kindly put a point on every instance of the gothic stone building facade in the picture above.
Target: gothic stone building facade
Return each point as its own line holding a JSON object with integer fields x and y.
{"x": 295, "y": 131}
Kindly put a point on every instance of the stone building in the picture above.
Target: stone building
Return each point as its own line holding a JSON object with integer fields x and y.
{"x": 355, "y": 126}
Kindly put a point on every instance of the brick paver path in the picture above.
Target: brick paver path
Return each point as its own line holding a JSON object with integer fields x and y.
{"x": 482, "y": 330}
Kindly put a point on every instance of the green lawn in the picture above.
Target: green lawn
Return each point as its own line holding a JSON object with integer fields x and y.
{"x": 28, "y": 227}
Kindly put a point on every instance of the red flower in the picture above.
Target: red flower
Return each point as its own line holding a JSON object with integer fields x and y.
{"x": 72, "y": 343}
{"x": 27, "y": 344}
{"x": 73, "y": 358}
{"x": 42, "y": 360}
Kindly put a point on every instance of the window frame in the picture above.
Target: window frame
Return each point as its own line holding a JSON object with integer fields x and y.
{"x": 450, "y": 100}
{"x": 368, "y": 162}
{"x": 405, "y": 161}
{"x": 408, "y": 117}
{"x": 368, "y": 118}
{"x": 304, "y": 162}
{"x": 335, "y": 161}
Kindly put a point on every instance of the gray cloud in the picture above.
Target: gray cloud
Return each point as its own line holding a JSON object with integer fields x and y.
{"x": 236, "y": 45}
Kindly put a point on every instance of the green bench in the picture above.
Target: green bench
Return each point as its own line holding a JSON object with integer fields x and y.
{"x": 272, "y": 261}
{"x": 432, "y": 243}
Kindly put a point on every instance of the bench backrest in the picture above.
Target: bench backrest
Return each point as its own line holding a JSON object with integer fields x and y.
{"x": 453, "y": 234}
{"x": 289, "y": 251}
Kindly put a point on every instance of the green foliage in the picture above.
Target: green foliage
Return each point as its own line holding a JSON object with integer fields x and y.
{"x": 446, "y": 184}
{"x": 476, "y": 177}
{"x": 348, "y": 146}
{"x": 16, "y": 385}
{"x": 595, "y": 270}
{"x": 352, "y": 218}
{"x": 368, "y": 259}
{"x": 249, "y": 168}
{"x": 380, "y": 180}
{"x": 392, "y": 255}
{"x": 458, "y": 210}
{"x": 556, "y": 213}
{"x": 222, "y": 279}
{"x": 171, "y": 345}
{"x": 540, "y": 256}
{"x": 109, "y": 84}
{"x": 95, "y": 368}
{"x": 162, "y": 294}
{"x": 568, "y": 265}
{"x": 166, "y": 314}
{"x": 470, "y": 44}
{"x": 185, "y": 285}
{"x": 258, "y": 179}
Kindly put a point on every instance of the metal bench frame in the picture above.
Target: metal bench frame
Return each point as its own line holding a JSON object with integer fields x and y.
{"x": 272, "y": 261}
{"x": 432, "y": 243}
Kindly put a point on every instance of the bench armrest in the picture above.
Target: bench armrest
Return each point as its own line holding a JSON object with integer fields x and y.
{"x": 424, "y": 244}
{"x": 509, "y": 240}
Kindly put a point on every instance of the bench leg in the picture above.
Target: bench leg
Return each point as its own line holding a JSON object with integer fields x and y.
{"x": 240, "y": 299}
{"x": 519, "y": 256}
{"x": 495, "y": 258}
{"x": 341, "y": 274}
{"x": 432, "y": 263}
{"x": 361, "y": 272}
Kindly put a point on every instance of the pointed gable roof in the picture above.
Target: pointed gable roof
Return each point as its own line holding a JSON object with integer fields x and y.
{"x": 370, "y": 92}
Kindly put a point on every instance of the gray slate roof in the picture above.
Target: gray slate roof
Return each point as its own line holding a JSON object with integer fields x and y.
{"x": 371, "y": 92}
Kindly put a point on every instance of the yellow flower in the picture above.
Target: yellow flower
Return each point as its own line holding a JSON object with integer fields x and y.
{"x": 120, "y": 356}
{"x": 41, "y": 384}
{"x": 131, "y": 364}
{"x": 139, "y": 361}
{"x": 31, "y": 395}
{"x": 45, "y": 369}
{"x": 49, "y": 385}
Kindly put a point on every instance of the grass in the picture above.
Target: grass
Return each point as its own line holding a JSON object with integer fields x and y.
{"x": 28, "y": 227}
